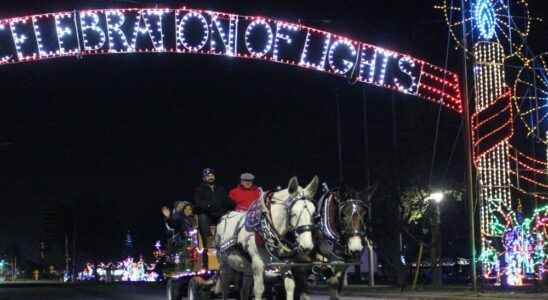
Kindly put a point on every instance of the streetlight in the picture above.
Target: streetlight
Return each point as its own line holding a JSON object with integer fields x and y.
{"x": 437, "y": 198}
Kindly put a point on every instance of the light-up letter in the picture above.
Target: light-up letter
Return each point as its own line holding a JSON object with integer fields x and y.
{"x": 115, "y": 20}
{"x": 145, "y": 25}
{"x": 229, "y": 40}
{"x": 39, "y": 42}
{"x": 156, "y": 32}
{"x": 92, "y": 30}
{"x": 5, "y": 58}
{"x": 250, "y": 44}
{"x": 386, "y": 55}
{"x": 20, "y": 40}
{"x": 368, "y": 64}
{"x": 281, "y": 35}
{"x": 407, "y": 65}
{"x": 347, "y": 65}
{"x": 183, "y": 34}
{"x": 320, "y": 65}
{"x": 64, "y": 33}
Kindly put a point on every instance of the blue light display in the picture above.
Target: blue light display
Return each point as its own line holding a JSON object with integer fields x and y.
{"x": 485, "y": 19}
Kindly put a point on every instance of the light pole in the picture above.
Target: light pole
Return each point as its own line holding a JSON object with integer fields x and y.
{"x": 437, "y": 198}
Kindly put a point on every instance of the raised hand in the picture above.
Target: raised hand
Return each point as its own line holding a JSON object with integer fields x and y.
{"x": 166, "y": 212}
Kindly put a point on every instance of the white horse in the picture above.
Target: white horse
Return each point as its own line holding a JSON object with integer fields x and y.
{"x": 288, "y": 210}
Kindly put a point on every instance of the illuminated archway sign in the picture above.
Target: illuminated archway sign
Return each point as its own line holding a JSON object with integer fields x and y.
{"x": 102, "y": 31}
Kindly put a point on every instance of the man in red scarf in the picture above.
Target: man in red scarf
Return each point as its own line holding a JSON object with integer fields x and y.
{"x": 245, "y": 193}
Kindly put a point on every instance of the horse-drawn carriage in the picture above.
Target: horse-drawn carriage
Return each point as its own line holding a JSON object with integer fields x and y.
{"x": 284, "y": 237}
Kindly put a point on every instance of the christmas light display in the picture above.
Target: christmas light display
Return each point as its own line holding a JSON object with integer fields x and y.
{"x": 503, "y": 21}
{"x": 512, "y": 250}
{"x": 484, "y": 14}
{"x": 516, "y": 248}
{"x": 125, "y": 270}
{"x": 133, "y": 30}
{"x": 493, "y": 167}
{"x": 531, "y": 97}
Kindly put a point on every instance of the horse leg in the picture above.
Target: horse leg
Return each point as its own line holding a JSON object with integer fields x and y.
{"x": 258, "y": 268}
{"x": 245, "y": 288}
{"x": 334, "y": 282}
{"x": 289, "y": 285}
{"x": 301, "y": 282}
{"x": 225, "y": 277}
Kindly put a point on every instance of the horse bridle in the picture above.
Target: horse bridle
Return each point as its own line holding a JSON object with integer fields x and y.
{"x": 355, "y": 206}
{"x": 288, "y": 204}
{"x": 303, "y": 228}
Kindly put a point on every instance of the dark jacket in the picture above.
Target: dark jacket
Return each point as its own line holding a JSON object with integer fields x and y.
{"x": 178, "y": 223}
{"x": 213, "y": 203}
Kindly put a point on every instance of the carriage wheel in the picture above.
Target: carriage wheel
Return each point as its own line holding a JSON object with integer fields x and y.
{"x": 174, "y": 290}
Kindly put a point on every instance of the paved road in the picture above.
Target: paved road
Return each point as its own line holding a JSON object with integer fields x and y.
{"x": 157, "y": 292}
{"x": 96, "y": 293}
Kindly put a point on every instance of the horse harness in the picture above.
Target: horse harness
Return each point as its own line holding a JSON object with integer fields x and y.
{"x": 331, "y": 229}
{"x": 266, "y": 234}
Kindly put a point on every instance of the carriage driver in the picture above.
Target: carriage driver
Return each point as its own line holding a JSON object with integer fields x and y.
{"x": 210, "y": 204}
{"x": 245, "y": 193}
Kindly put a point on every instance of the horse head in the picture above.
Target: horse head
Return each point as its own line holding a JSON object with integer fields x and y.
{"x": 293, "y": 210}
{"x": 352, "y": 210}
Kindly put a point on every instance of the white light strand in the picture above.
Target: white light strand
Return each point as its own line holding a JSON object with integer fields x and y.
{"x": 347, "y": 64}
{"x": 115, "y": 21}
{"x": 269, "y": 42}
{"x": 320, "y": 66}
{"x": 406, "y": 63}
{"x": 63, "y": 32}
{"x": 90, "y": 24}
{"x": 285, "y": 36}
{"x": 181, "y": 36}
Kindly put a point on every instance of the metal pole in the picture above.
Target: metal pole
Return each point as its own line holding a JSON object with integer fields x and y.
{"x": 468, "y": 152}
{"x": 339, "y": 137}
{"x": 367, "y": 185}
{"x": 67, "y": 256}
{"x": 74, "y": 253}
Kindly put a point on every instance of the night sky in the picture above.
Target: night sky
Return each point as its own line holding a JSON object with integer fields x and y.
{"x": 113, "y": 138}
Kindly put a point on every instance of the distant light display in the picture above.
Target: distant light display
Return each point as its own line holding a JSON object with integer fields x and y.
{"x": 132, "y": 30}
{"x": 126, "y": 270}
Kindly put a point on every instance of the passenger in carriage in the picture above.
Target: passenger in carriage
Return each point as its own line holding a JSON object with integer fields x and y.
{"x": 181, "y": 218}
{"x": 210, "y": 204}
{"x": 245, "y": 193}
